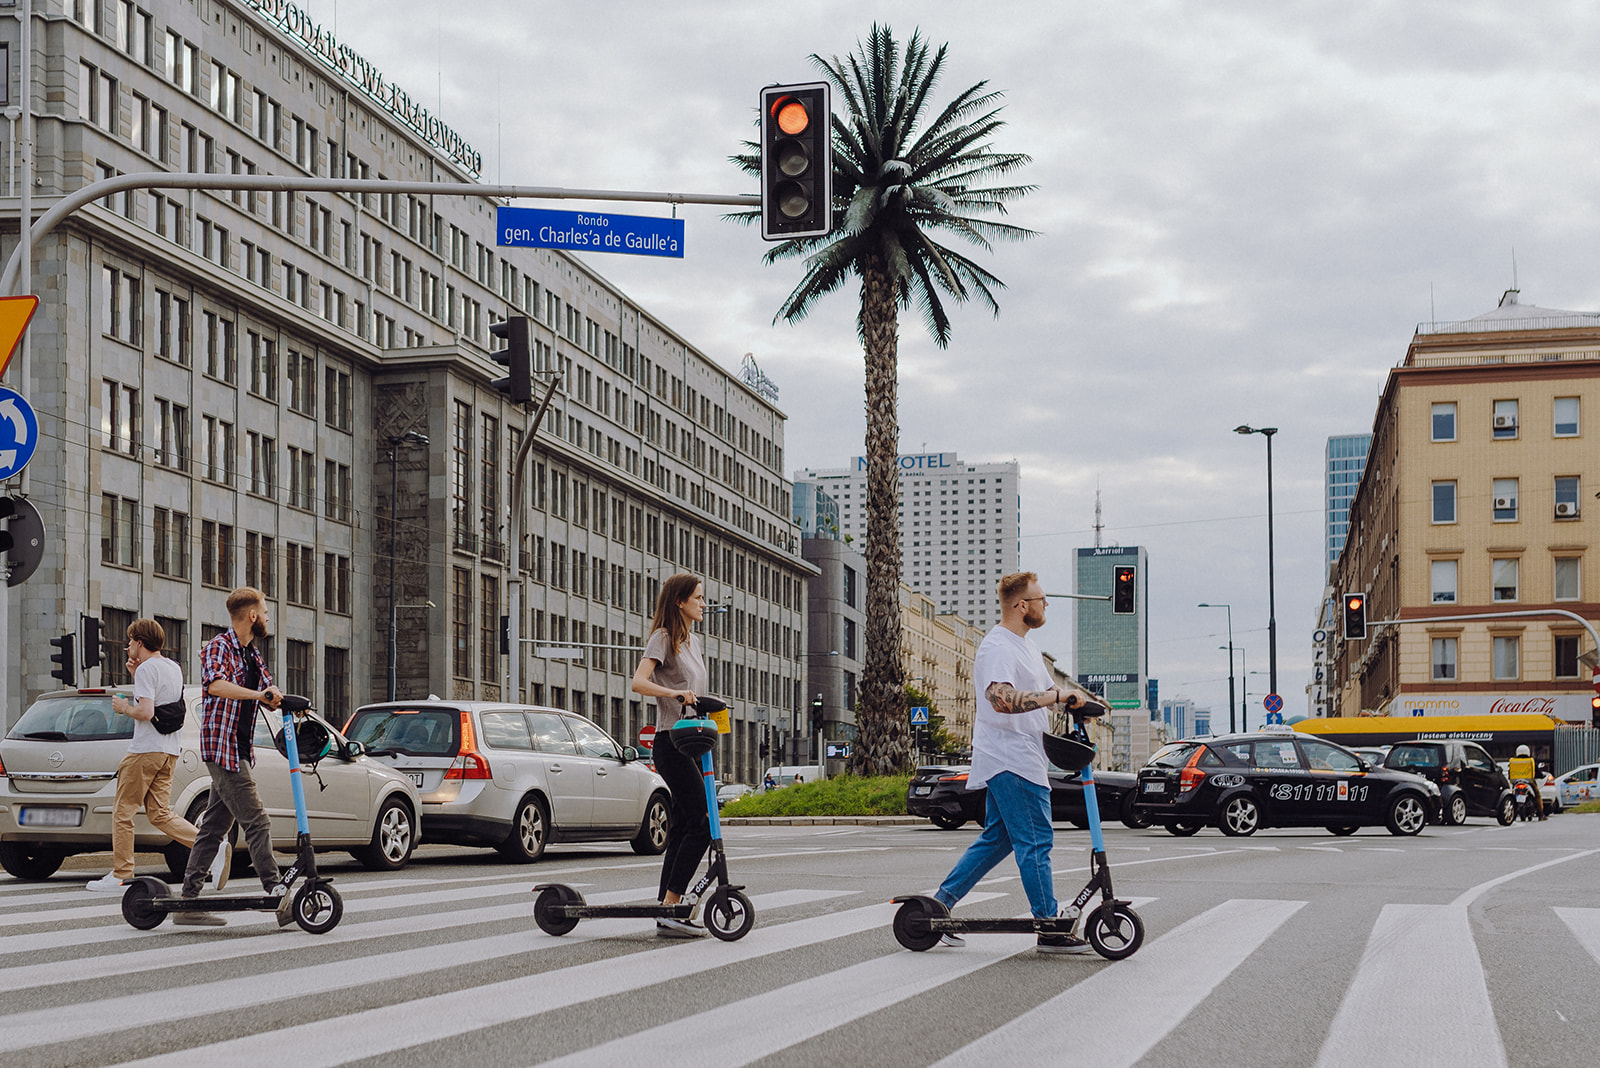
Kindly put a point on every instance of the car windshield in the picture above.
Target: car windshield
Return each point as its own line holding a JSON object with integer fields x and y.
{"x": 415, "y": 732}
{"x": 1175, "y": 755}
{"x": 72, "y": 718}
{"x": 1405, "y": 757}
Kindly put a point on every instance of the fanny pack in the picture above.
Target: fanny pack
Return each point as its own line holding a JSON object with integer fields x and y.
{"x": 169, "y": 717}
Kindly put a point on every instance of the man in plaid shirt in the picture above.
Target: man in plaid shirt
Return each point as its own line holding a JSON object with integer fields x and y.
{"x": 234, "y": 680}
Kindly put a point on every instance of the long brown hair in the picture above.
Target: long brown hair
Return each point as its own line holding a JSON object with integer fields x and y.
{"x": 669, "y": 609}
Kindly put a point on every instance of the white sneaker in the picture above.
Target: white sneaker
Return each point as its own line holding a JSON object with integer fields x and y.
{"x": 671, "y": 927}
{"x": 107, "y": 884}
{"x": 222, "y": 864}
{"x": 951, "y": 939}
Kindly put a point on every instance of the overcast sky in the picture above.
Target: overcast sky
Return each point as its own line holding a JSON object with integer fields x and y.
{"x": 1244, "y": 209}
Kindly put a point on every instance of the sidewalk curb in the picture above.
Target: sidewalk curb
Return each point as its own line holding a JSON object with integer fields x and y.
{"x": 823, "y": 820}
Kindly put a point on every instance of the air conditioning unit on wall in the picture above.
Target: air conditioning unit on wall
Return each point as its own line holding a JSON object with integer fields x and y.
{"x": 1501, "y": 503}
{"x": 1505, "y": 422}
{"x": 1566, "y": 509}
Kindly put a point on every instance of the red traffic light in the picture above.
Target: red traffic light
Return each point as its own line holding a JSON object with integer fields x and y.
{"x": 792, "y": 116}
{"x": 1353, "y": 604}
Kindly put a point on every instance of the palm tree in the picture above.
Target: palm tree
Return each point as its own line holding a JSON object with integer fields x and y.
{"x": 896, "y": 180}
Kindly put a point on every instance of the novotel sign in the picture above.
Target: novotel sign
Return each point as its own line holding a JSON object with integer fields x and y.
{"x": 919, "y": 461}
{"x": 362, "y": 75}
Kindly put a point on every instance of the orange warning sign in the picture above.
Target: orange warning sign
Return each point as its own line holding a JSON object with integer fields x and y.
{"x": 15, "y": 315}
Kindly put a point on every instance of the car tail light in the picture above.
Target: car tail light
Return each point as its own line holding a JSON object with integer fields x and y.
{"x": 470, "y": 764}
{"x": 2, "y": 767}
{"x": 952, "y": 778}
{"x": 1191, "y": 776}
{"x": 1447, "y": 775}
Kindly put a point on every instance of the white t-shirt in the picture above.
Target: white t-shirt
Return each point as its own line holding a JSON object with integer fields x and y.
{"x": 160, "y": 679}
{"x": 1012, "y": 742}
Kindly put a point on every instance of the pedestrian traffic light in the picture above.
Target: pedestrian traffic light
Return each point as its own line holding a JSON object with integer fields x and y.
{"x": 1355, "y": 616}
{"x": 517, "y": 356}
{"x": 89, "y": 636}
{"x": 66, "y": 668}
{"x": 1122, "y": 593}
{"x": 796, "y": 161}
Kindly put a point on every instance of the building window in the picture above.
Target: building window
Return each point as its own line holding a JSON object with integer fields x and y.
{"x": 1505, "y": 418}
{"x": 119, "y": 417}
{"x": 216, "y": 553}
{"x": 1567, "y": 497}
{"x": 302, "y": 383}
{"x": 1567, "y": 586}
{"x": 172, "y": 343}
{"x": 461, "y": 478}
{"x": 121, "y": 309}
{"x": 114, "y": 624}
{"x": 217, "y": 445}
{"x": 489, "y": 630}
{"x": 1505, "y": 580}
{"x": 302, "y": 479}
{"x": 169, "y": 533}
{"x": 174, "y": 647}
{"x": 461, "y": 624}
{"x": 1444, "y": 502}
{"x": 336, "y": 490}
{"x": 1444, "y": 421}
{"x": 1566, "y": 659}
{"x": 216, "y": 345}
{"x": 263, "y": 460}
{"x": 263, "y": 366}
{"x": 336, "y": 396}
{"x": 300, "y": 574}
{"x": 1505, "y": 500}
{"x": 1444, "y": 581}
{"x": 335, "y": 684}
{"x": 489, "y": 487}
{"x": 336, "y": 583}
{"x": 297, "y": 667}
{"x": 1566, "y": 417}
{"x": 1506, "y": 649}
{"x": 119, "y": 531}
{"x": 1444, "y": 659}
{"x": 260, "y": 552}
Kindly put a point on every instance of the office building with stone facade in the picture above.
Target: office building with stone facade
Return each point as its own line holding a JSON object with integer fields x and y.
{"x": 294, "y": 392}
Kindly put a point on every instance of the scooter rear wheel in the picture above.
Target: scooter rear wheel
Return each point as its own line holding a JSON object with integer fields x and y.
{"x": 136, "y": 903}
{"x": 318, "y": 908}
{"x": 550, "y": 922}
{"x": 729, "y": 914}
{"x": 911, "y": 925}
{"x": 1115, "y": 931}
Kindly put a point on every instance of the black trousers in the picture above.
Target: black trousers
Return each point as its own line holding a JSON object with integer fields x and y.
{"x": 689, "y": 824}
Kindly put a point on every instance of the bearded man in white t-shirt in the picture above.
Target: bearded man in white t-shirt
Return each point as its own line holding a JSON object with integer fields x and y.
{"x": 145, "y": 775}
{"x": 1015, "y": 696}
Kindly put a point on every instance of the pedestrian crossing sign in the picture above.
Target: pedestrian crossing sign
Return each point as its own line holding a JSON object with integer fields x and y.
{"x": 919, "y": 716}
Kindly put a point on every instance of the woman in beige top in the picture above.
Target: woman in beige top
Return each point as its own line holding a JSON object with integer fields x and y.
{"x": 673, "y": 671}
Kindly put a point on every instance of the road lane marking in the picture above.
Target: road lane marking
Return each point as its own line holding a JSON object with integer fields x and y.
{"x": 1388, "y": 996}
{"x": 1468, "y": 896}
{"x": 1585, "y": 925}
{"x": 1119, "y": 1013}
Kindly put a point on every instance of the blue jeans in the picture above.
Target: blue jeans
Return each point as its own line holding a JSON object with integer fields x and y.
{"x": 1016, "y": 819}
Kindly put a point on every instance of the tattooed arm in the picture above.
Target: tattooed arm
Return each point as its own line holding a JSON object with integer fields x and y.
{"x": 1008, "y": 700}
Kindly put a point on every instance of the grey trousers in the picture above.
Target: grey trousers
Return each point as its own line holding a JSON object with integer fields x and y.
{"x": 233, "y": 797}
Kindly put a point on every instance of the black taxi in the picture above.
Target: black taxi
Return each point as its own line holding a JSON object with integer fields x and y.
{"x": 1240, "y": 783}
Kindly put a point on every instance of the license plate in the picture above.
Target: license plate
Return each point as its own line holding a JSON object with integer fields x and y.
{"x": 34, "y": 816}
{"x": 922, "y": 791}
{"x": 1155, "y": 787}
{"x": 416, "y": 778}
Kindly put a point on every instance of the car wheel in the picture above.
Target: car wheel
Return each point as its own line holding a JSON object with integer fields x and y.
{"x": 1131, "y": 817}
{"x": 1507, "y": 813}
{"x": 1407, "y": 815}
{"x": 394, "y": 836}
{"x": 1344, "y": 832}
{"x": 1240, "y": 816}
{"x": 529, "y": 829}
{"x": 947, "y": 823}
{"x": 1455, "y": 810}
{"x": 651, "y": 840}
{"x": 1183, "y": 830}
{"x": 1553, "y": 808}
{"x": 31, "y": 862}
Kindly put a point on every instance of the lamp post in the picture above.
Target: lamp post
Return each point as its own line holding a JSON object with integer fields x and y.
{"x": 414, "y": 438}
{"x": 1229, "y": 607}
{"x": 1272, "y": 610}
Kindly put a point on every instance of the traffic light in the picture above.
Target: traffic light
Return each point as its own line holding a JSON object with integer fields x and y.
{"x": 21, "y": 538}
{"x": 1355, "y": 616}
{"x": 796, "y": 161}
{"x": 89, "y": 636}
{"x": 1594, "y": 712}
{"x": 66, "y": 668}
{"x": 1122, "y": 593}
{"x": 517, "y": 356}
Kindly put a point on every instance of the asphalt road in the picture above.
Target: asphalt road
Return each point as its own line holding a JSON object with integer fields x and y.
{"x": 1464, "y": 946}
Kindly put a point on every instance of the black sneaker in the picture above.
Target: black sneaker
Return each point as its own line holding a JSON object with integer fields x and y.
{"x": 1062, "y": 943}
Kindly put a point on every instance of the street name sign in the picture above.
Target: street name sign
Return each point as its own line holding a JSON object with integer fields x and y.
{"x": 589, "y": 231}
{"x": 19, "y": 432}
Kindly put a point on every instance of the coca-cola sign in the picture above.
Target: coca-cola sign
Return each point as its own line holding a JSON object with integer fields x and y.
{"x": 1567, "y": 707}
{"x": 1525, "y": 706}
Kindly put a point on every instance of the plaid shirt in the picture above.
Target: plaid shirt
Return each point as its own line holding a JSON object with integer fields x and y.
{"x": 223, "y": 657}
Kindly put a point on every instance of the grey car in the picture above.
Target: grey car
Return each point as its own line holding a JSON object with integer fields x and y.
{"x": 516, "y": 777}
{"x": 59, "y": 785}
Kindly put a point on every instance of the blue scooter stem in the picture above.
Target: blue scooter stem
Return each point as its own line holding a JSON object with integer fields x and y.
{"x": 711, "y": 795}
{"x": 1091, "y": 805}
{"x": 291, "y": 749}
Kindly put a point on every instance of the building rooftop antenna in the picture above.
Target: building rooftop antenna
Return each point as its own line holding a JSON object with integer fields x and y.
{"x": 1098, "y": 526}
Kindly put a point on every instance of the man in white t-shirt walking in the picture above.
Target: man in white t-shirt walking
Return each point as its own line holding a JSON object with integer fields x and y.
{"x": 1015, "y": 695}
{"x": 145, "y": 775}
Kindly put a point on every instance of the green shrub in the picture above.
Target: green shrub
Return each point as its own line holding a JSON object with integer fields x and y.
{"x": 846, "y": 795}
{"x": 1585, "y": 806}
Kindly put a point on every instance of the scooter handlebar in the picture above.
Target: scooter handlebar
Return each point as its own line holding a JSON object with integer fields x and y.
{"x": 704, "y": 705}
{"x": 293, "y": 702}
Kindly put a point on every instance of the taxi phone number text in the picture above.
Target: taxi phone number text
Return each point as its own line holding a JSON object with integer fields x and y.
{"x": 1322, "y": 791}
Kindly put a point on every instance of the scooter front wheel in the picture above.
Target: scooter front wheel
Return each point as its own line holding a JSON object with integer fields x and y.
{"x": 136, "y": 903}
{"x": 318, "y": 908}
{"x": 544, "y": 914}
{"x": 1115, "y": 931}
{"x": 911, "y": 924}
{"x": 729, "y": 914}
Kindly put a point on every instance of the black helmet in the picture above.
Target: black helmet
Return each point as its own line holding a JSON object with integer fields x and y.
{"x": 311, "y": 741}
{"x": 693, "y": 737}
{"x": 1068, "y": 754}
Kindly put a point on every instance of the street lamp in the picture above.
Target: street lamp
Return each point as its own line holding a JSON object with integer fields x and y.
{"x": 410, "y": 437}
{"x": 1229, "y": 607}
{"x": 1272, "y": 610}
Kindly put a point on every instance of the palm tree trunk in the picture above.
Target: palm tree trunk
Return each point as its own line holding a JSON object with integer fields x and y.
{"x": 881, "y": 740}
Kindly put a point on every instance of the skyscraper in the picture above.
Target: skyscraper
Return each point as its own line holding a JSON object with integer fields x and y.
{"x": 1345, "y": 460}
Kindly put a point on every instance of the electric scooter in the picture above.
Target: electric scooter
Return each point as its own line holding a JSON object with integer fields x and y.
{"x": 728, "y": 912}
{"x": 317, "y": 905}
{"x": 1113, "y": 929}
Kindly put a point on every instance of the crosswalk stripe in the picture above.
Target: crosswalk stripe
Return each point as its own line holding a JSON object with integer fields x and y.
{"x": 376, "y": 1031}
{"x": 1387, "y": 996}
{"x": 1585, "y": 925}
{"x": 1117, "y": 1015}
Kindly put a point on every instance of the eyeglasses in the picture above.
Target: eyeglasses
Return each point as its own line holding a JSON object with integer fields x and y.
{"x": 1025, "y": 600}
